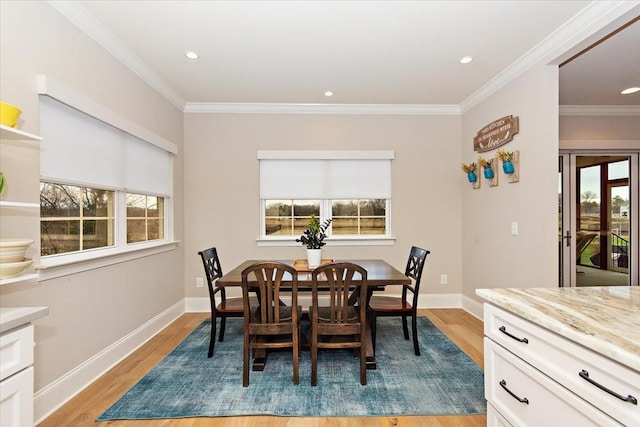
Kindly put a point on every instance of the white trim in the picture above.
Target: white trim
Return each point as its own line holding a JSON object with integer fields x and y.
{"x": 600, "y": 110}
{"x": 284, "y": 108}
{"x": 74, "y": 12}
{"x": 472, "y": 306}
{"x": 49, "y": 87}
{"x": 599, "y": 144}
{"x": 325, "y": 155}
{"x": 67, "y": 264}
{"x": 593, "y": 18}
{"x": 55, "y": 394}
{"x": 202, "y": 305}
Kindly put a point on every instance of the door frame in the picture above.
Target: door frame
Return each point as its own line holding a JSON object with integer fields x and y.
{"x": 568, "y": 182}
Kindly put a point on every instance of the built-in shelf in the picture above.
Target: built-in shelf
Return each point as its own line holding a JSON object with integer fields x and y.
{"x": 9, "y": 133}
{"x": 9, "y": 204}
{"x": 22, "y": 278}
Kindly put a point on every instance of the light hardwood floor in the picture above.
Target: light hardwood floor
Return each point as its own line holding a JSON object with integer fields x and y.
{"x": 461, "y": 327}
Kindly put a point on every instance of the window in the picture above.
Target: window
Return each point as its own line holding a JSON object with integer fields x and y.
{"x": 75, "y": 218}
{"x": 145, "y": 218}
{"x": 359, "y": 217}
{"x": 102, "y": 189}
{"x": 351, "y": 188}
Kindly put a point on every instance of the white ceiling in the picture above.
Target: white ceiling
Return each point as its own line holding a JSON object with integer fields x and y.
{"x": 366, "y": 52}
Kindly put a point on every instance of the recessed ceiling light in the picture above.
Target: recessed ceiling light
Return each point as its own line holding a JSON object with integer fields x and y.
{"x": 328, "y": 93}
{"x": 191, "y": 55}
{"x": 466, "y": 59}
{"x": 630, "y": 90}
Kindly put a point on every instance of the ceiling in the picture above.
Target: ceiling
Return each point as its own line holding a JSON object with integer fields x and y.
{"x": 365, "y": 52}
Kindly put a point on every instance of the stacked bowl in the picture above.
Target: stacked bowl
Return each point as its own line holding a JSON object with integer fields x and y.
{"x": 12, "y": 257}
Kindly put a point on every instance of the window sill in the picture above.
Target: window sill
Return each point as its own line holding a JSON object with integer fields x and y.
{"x": 64, "y": 265}
{"x": 333, "y": 241}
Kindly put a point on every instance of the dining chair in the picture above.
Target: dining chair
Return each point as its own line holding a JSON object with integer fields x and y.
{"x": 221, "y": 306}
{"x": 268, "y": 323}
{"x": 381, "y": 305}
{"x": 336, "y": 324}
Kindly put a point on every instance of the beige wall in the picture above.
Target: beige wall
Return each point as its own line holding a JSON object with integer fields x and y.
{"x": 491, "y": 256}
{"x": 92, "y": 310}
{"x": 222, "y": 199}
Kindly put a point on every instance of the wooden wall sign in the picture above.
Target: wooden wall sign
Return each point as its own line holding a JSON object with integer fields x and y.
{"x": 495, "y": 134}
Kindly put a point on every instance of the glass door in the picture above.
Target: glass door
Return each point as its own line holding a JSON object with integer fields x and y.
{"x": 597, "y": 227}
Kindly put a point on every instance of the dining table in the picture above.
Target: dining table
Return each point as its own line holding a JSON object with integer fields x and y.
{"x": 379, "y": 275}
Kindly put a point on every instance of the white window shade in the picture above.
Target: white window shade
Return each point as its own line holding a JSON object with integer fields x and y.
{"x": 333, "y": 178}
{"x": 83, "y": 150}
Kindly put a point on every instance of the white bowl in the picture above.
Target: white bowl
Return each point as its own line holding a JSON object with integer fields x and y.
{"x": 9, "y": 270}
{"x": 13, "y": 250}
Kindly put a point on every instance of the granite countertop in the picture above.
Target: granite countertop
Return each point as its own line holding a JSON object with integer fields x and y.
{"x": 13, "y": 317}
{"x": 604, "y": 319}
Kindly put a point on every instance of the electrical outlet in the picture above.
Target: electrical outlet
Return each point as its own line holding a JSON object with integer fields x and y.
{"x": 199, "y": 282}
{"x": 443, "y": 279}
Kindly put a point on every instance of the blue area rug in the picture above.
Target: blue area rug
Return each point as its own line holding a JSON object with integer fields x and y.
{"x": 442, "y": 381}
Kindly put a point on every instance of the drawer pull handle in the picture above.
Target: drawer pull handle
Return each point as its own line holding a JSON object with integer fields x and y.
{"x": 503, "y": 384}
{"x": 504, "y": 331}
{"x": 585, "y": 375}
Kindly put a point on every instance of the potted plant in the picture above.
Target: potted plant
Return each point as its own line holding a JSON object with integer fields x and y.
{"x": 313, "y": 238}
{"x": 507, "y": 161}
{"x": 470, "y": 170}
{"x": 486, "y": 165}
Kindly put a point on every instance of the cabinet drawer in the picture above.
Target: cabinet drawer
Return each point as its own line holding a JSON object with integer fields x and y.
{"x": 568, "y": 363}
{"x": 16, "y": 400}
{"x": 16, "y": 351}
{"x": 536, "y": 400}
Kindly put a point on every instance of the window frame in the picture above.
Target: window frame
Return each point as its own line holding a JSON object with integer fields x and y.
{"x": 59, "y": 265}
{"x": 325, "y": 204}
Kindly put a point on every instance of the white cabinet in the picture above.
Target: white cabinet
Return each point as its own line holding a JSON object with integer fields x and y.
{"x": 537, "y": 377}
{"x": 16, "y": 377}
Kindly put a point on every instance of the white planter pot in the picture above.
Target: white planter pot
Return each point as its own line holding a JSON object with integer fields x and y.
{"x": 314, "y": 256}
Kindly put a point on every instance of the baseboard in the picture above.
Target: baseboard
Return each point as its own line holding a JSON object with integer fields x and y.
{"x": 51, "y": 397}
{"x": 472, "y": 306}
{"x": 201, "y": 305}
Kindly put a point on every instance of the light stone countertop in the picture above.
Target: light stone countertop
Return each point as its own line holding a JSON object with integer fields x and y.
{"x": 13, "y": 317}
{"x": 604, "y": 319}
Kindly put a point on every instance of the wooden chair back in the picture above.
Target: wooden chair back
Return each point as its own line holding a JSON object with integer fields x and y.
{"x": 336, "y": 324}
{"x": 270, "y": 323}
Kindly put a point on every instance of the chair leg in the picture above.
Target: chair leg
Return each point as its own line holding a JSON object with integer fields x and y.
{"x": 245, "y": 364}
{"x": 223, "y": 324}
{"x": 405, "y": 328}
{"x": 363, "y": 362}
{"x": 373, "y": 331}
{"x": 296, "y": 361}
{"x": 414, "y": 327}
{"x": 314, "y": 358}
{"x": 212, "y": 340}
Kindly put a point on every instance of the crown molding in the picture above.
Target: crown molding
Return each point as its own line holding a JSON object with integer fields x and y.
{"x": 600, "y": 110}
{"x": 74, "y": 12}
{"x": 282, "y": 108}
{"x": 594, "y": 17}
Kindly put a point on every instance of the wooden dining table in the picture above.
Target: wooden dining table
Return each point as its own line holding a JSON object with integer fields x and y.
{"x": 379, "y": 275}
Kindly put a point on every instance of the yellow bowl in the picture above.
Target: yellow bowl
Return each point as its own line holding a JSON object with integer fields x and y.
{"x": 9, "y": 114}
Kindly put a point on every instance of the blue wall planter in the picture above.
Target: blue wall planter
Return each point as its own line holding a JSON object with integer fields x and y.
{"x": 471, "y": 176}
{"x": 488, "y": 173}
{"x": 507, "y": 167}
